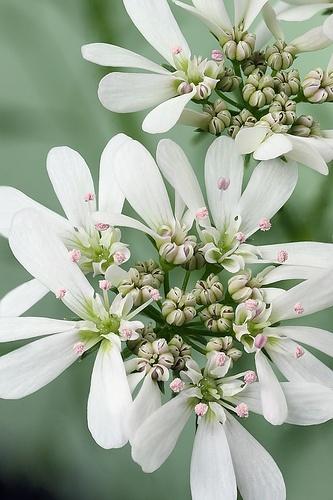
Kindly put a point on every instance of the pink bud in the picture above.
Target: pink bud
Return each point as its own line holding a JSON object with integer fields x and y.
{"x": 155, "y": 294}
{"x": 105, "y": 285}
{"x": 78, "y": 348}
{"x": 89, "y": 197}
{"x": 240, "y": 237}
{"x": 177, "y": 50}
{"x": 260, "y": 341}
{"x": 299, "y": 309}
{"x": 202, "y": 213}
{"x": 242, "y": 410}
{"x": 61, "y": 293}
{"x": 250, "y": 377}
{"x": 102, "y": 227}
{"x": 127, "y": 333}
{"x": 177, "y": 385}
{"x": 223, "y": 183}
{"x": 299, "y": 352}
{"x": 119, "y": 257}
{"x": 217, "y": 55}
{"x": 265, "y": 224}
{"x": 251, "y": 305}
{"x": 75, "y": 255}
{"x": 201, "y": 409}
{"x": 282, "y": 256}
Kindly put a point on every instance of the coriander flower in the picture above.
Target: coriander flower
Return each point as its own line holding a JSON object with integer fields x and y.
{"x": 27, "y": 369}
{"x": 93, "y": 247}
{"x": 301, "y": 10}
{"x": 166, "y": 88}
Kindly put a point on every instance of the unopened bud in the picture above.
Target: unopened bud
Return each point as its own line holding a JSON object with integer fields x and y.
{"x": 280, "y": 56}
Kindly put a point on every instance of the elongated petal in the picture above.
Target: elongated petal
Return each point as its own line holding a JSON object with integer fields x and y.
{"x": 302, "y": 12}
{"x": 141, "y": 182}
{"x": 314, "y": 295}
{"x": 22, "y": 298}
{"x": 328, "y": 27}
{"x": 26, "y": 328}
{"x": 297, "y": 369}
{"x": 128, "y": 92}
{"x": 270, "y": 18}
{"x": 204, "y": 16}
{"x": 122, "y": 221}
{"x": 284, "y": 272}
{"x": 276, "y": 145}
{"x": 303, "y": 253}
{"x": 109, "y": 398}
{"x": 253, "y": 10}
{"x": 304, "y": 153}
{"x": 33, "y": 366}
{"x": 72, "y": 182}
{"x": 162, "y": 118}
{"x": 314, "y": 39}
{"x": 45, "y": 257}
{"x": 261, "y": 198}
{"x": 273, "y": 401}
{"x": 223, "y": 162}
{"x": 110, "y": 197}
{"x": 264, "y": 481}
{"x": 106, "y": 54}
{"x": 193, "y": 118}
{"x": 158, "y": 435}
{"x": 314, "y": 337}
{"x": 157, "y": 24}
{"x": 216, "y": 10}
{"x": 177, "y": 170}
{"x": 211, "y": 464}
{"x": 145, "y": 404}
{"x": 249, "y": 139}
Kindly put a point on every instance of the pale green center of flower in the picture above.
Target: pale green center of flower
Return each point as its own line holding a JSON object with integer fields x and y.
{"x": 209, "y": 389}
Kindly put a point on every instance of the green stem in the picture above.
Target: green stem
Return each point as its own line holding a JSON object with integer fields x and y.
{"x": 186, "y": 279}
{"x": 227, "y": 99}
{"x": 166, "y": 283}
{"x": 195, "y": 346}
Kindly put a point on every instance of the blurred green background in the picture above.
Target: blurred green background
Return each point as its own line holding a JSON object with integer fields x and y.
{"x": 48, "y": 98}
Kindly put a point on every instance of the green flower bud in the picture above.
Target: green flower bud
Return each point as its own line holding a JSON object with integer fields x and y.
{"x": 238, "y": 45}
{"x": 166, "y": 359}
{"x": 305, "y": 126}
{"x": 238, "y": 286}
{"x": 259, "y": 89}
{"x": 288, "y": 82}
{"x": 244, "y": 118}
{"x": 255, "y": 61}
{"x": 318, "y": 86}
{"x": 146, "y": 350}
{"x": 209, "y": 291}
{"x": 218, "y": 318}
{"x": 280, "y": 55}
{"x": 178, "y": 308}
{"x": 215, "y": 344}
{"x": 228, "y": 80}
{"x": 282, "y": 104}
{"x": 234, "y": 354}
{"x": 197, "y": 261}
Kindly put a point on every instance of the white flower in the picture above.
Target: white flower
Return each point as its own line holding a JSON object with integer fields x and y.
{"x": 301, "y": 10}
{"x": 314, "y": 152}
{"x": 93, "y": 248}
{"x": 27, "y": 369}
{"x": 142, "y": 184}
{"x": 259, "y": 331}
{"x": 167, "y": 90}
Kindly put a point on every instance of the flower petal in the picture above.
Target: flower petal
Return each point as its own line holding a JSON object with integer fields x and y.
{"x": 33, "y": 366}
{"x": 303, "y": 253}
{"x": 308, "y": 404}
{"x": 270, "y": 18}
{"x": 206, "y": 16}
{"x": 302, "y": 12}
{"x": 22, "y": 298}
{"x": 128, "y": 92}
{"x": 276, "y": 145}
{"x": 26, "y": 328}
{"x": 122, "y": 221}
{"x": 282, "y": 273}
{"x": 314, "y": 337}
{"x": 314, "y": 39}
{"x": 212, "y": 469}
{"x": 145, "y": 404}
{"x": 109, "y": 398}
{"x": 252, "y": 12}
{"x": 157, "y": 24}
{"x": 249, "y": 139}
{"x": 307, "y": 155}
{"x": 328, "y": 27}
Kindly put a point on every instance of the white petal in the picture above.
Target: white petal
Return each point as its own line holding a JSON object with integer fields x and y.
{"x": 141, "y": 182}
{"x": 122, "y": 221}
{"x": 33, "y": 366}
{"x": 128, "y": 92}
{"x": 270, "y": 18}
{"x": 212, "y": 469}
{"x": 302, "y": 12}
{"x": 105, "y": 54}
{"x": 109, "y": 398}
{"x": 273, "y": 401}
{"x": 285, "y": 272}
{"x": 322, "y": 145}
{"x": 216, "y": 10}
{"x": 314, "y": 295}
{"x": 328, "y": 27}
{"x": 306, "y": 368}
{"x": 134, "y": 379}
{"x": 157, "y": 24}
{"x": 303, "y": 152}
{"x": 177, "y": 170}
{"x": 303, "y": 253}
{"x": 45, "y": 257}
{"x": 145, "y": 404}
{"x": 22, "y": 298}
{"x": 115, "y": 275}
{"x": 249, "y": 139}
{"x": 314, "y": 337}
{"x": 223, "y": 161}
{"x": 162, "y": 118}
{"x": 276, "y": 145}
{"x": 26, "y": 328}
{"x": 253, "y": 10}
{"x": 194, "y": 118}
{"x": 71, "y": 180}
{"x": 270, "y": 186}
{"x": 263, "y": 481}
{"x": 204, "y": 16}
{"x": 308, "y": 404}
{"x": 314, "y": 39}
{"x": 110, "y": 197}
{"x": 240, "y": 8}
{"x": 158, "y": 435}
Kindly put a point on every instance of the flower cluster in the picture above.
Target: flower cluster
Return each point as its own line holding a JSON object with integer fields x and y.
{"x": 175, "y": 325}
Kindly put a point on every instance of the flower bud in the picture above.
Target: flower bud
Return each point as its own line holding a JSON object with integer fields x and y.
{"x": 238, "y": 45}
{"x": 280, "y": 56}
{"x": 145, "y": 350}
{"x": 305, "y": 126}
{"x": 218, "y": 318}
{"x": 288, "y": 82}
{"x": 159, "y": 373}
{"x": 238, "y": 286}
{"x": 259, "y": 89}
{"x": 228, "y": 80}
{"x": 166, "y": 359}
{"x": 318, "y": 86}
{"x": 255, "y": 61}
{"x": 178, "y": 308}
{"x": 209, "y": 291}
{"x": 215, "y": 344}
{"x": 197, "y": 261}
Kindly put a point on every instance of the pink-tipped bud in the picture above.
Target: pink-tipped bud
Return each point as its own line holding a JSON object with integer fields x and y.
{"x": 223, "y": 183}
{"x": 202, "y": 213}
{"x": 155, "y": 294}
{"x": 242, "y": 410}
{"x": 299, "y": 309}
{"x": 282, "y": 256}
{"x": 177, "y": 50}
{"x": 251, "y": 305}
{"x": 78, "y": 348}
{"x": 240, "y": 237}
{"x": 61, "y": 293}
{"x": 89, "y": 197}
{"x": 265, "y": 224}
{"x": 250, "y": 377}
{"x": 185, "y": 88}
{"x": 105, "y": 285}
{"x": 221, "y": 359}
{"x": 127, "y": 333}
{"x": 217, "y": 55}
{"x": 201, "y": 409}
{"x": 119, "y": 257}
{"x": 299, "y": 352}
{"x": 260, "y": 341}
{"x": 177, "y": 385}
{"x": 102, "y": 227}
{"x": 75, "y": 255}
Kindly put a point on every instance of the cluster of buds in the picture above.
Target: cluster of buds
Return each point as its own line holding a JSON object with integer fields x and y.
{"x": 280, "y": 55}
{"x": 209, "y": 291}
{"x": 244, "y": 119}
{"x": 218, "y": 318}
{"x": 142, "y": 278}
{"x": 258, "y": 90}
{"x": 318, "y": 86}
{"x": 225, "y": 345}
{"x": 238, "y": 45}
{"x": 251, "y": 318}
{"x": 228, "y": 80}
{"x": 276, "y": 122}
{"x": 180, "y": 351}
{"x": 255, "y": 61}
{"x": 155, "y": 357}
{"x": 284, "y": 109}
{"x": 220, "y": 116}
{"x": 197, "y": 261}
{"x": 146, "y": 334}
{"x": 288, "y": 82}
{"x": 243, "y": 286}
{"x": 305, "y": 126}
{"x": 178, "y": 307}
{"x": 178, "y": 253}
